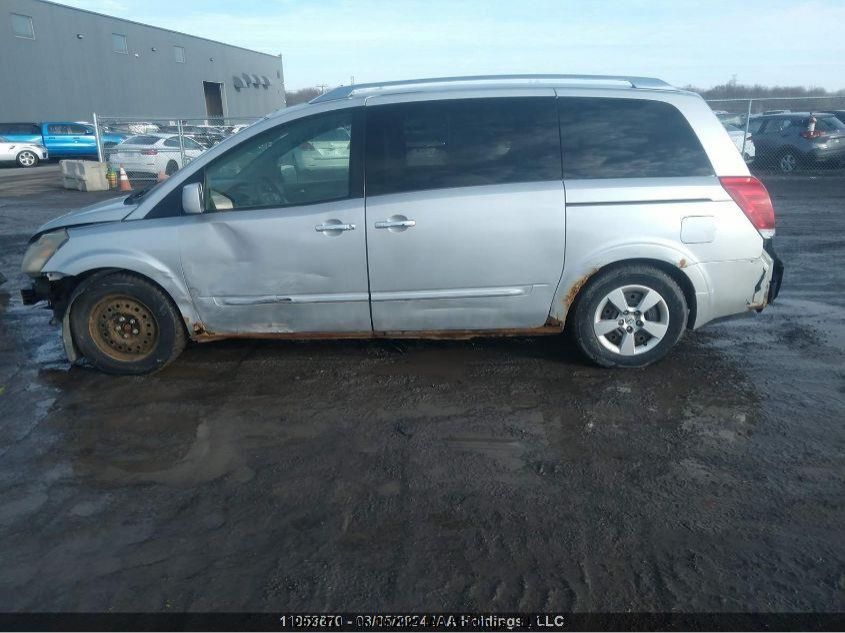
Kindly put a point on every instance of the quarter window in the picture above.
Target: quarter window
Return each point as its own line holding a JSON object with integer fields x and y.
{"x": 118, "y": 43}
{"x": 302, "y": 162}
{"x": 22, "y": 26}
{"x": 461, "y": 143}
{"x": 179, "y": 54}
{"x": 628, "y": 138}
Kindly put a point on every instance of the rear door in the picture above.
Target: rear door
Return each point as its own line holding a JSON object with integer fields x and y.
{"x": 59, "y": 140}
{"x": 465, "y": 212}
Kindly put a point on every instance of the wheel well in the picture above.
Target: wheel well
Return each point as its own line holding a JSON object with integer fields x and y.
{"x": 62, "y": 290}
{"x": 673, "y": 271}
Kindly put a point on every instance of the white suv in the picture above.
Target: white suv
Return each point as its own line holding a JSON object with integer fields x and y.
{"x": 458, "y": 207}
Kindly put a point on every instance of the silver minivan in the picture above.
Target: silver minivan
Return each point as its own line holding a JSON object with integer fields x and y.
{"x": 617, "y": 208}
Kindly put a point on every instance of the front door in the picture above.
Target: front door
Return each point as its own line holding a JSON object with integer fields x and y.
{"x": 465, "y": 212}
{"x": 281, "y": 247}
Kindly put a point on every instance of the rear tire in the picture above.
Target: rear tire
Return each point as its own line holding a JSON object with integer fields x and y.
{"x": 171, "y": 168}
{"x": 124, "y": 324}
{"x": 789, "y": 161}
{"x": 638, "y": 333}
{"x": 27, "y": 158}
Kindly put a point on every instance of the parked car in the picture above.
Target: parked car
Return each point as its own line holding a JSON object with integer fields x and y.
{"x": 146, "y": 155}
{"x": 24, "y": 154}
{"x": 62, "y": 140}
{"x": 743, "y": 141}
{"x": 512, "y": 205}
{"x": 206, "y": 135}
{"x": 839, "y": 114}
{"x": 132, "y": 128}
{"x": 727, "y": 118}
{"x": 786, "y": 140}
{"x": 327, "y": 151}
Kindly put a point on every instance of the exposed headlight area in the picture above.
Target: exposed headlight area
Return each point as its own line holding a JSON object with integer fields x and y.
{"x": 42, "y": 250}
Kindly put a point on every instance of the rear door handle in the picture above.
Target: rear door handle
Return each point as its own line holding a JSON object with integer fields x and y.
{"x": 395, "y": 224}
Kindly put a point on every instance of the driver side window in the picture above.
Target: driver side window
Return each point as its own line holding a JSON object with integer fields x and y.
{"x": 305, "y": 161}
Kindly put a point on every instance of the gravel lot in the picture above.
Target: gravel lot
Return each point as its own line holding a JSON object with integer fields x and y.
{"x": 500, "y": 475}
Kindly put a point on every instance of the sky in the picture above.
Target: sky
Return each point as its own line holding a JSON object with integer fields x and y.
{"x": 685, "y": 42}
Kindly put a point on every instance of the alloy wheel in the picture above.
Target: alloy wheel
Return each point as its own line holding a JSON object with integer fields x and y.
{"x": 631, "y": 320}
{"x": 788, "y": 162}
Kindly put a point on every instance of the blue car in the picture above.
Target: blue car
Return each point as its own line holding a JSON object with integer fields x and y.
{"x": 62, "y": 139}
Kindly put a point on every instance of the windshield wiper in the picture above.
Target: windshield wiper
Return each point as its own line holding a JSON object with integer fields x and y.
{"x": 136, "y": 195}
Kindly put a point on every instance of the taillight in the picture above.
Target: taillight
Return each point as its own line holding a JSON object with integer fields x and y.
{"x": 306, "y": 146}
{"x": 751, "y": 196}
{"x": 149, "y": 152}
{"x": 812, "y": 133}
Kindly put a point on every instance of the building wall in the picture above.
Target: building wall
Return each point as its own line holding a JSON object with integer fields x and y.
{"x": 58, "y": 76}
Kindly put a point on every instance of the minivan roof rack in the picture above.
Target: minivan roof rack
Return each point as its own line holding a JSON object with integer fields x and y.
{"x": 343, "y": 92}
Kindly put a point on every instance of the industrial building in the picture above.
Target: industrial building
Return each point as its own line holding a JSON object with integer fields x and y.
{"x": 64, "y": 64}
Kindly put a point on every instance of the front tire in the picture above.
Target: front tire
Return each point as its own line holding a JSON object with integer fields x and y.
{"x": 124, "y": 324}
{"x": 629, "y": 316}
{"x": 27, "y": 158}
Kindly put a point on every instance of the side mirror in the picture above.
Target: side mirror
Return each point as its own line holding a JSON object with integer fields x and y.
{"x": 192, "y": 199}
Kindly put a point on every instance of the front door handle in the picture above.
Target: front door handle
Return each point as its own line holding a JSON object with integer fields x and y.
{"x": 332, "y": 226}
{"x": 395, "y": 224}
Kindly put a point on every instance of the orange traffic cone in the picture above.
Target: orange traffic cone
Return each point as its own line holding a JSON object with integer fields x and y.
{"x": 124, "y": 180}
{"x": 162, "y": 176}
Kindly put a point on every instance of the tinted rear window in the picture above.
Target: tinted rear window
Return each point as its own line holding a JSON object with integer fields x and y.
{"x": 461, "y": 143}
{"x": 628, "y": 138}
{"x": 142, "y": 140}
{"x": 30, "y": 129}
{"x": 829, "y": 124}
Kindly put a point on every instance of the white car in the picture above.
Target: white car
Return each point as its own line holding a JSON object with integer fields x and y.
{"x": 149, "y": 154}
{"x": 326, "y": 151}
{"x": 24, "y": 154}
{"x": 737, "y": 136}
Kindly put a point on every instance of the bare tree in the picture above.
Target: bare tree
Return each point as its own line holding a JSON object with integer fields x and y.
{"x": 302, "y": 96}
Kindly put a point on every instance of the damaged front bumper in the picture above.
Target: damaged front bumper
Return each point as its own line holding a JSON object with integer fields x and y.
{"x": 56, "y": 294}
{"x": 38, "y": 291}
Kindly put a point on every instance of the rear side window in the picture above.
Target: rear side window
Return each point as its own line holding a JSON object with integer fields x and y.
{"x": 20, "y": 128}
{"x": 628, "y": 138}
{"x": 756, "y": 125}
{"x": 461, "y": 143}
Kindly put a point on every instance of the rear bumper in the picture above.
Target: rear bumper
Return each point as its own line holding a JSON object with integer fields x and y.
{"x": 777, "y": 268}
{"x": 827, "y": 155}
{"x": 736, "y": 287}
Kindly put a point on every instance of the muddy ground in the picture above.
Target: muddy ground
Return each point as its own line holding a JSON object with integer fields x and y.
{"x": 501, "y": 475}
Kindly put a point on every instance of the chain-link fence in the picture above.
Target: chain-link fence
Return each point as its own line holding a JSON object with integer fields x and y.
{"x": 788, "y": 135}
{"x": 152, "y": 149}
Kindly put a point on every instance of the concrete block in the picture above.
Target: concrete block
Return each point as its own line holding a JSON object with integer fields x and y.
{"x": 84, "y": 175}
